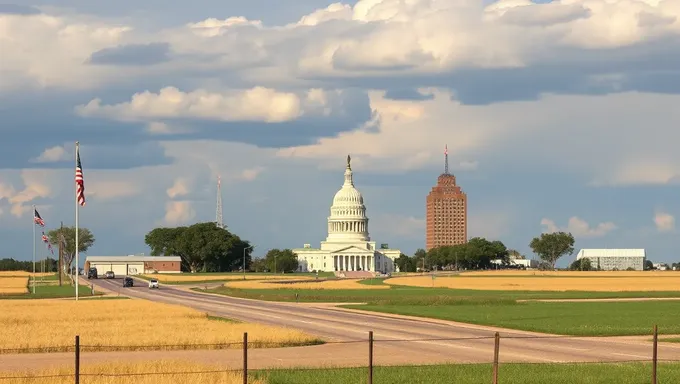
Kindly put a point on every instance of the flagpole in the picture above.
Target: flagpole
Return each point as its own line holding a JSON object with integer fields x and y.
{"x": 33, "y": 219}
{"x": 76, "y": 200}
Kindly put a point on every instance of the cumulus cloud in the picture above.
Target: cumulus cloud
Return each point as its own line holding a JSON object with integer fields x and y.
{"x": 53, "y": 155}
{"x": 178, "y": 213}
{"x": 579, "y": 227}
{"x": 179, "y": 188}
{"x": 36, "y": 185}
{"x": 102, "y": 189}
{"x": 665, "y": 222}
{"x": 256, "y": 104}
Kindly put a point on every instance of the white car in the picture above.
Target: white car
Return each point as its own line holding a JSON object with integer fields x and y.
{"x": 153, "y": 283}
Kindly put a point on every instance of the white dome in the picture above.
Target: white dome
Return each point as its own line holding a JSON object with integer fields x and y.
{"x": 348, "y": 219}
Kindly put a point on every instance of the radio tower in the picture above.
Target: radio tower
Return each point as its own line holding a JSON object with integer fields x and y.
{"x": 218, "y": 211}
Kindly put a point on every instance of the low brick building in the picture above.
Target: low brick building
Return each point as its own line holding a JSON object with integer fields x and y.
{"x": 134, "y": 265}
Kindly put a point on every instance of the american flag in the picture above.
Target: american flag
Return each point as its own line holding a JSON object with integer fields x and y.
{"x": 37, "y": 219}
{"x": 80, "y": 185}
{"x": 49, "y": 246}
{"x": 45, "y": 239}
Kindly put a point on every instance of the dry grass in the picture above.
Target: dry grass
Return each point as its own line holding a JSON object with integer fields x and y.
{"x": 571, "y": 273}
{"x": 574, "y": 281}
{"x": 13, "y": 285}
{"x": 151, "y": 372}
{"x": 23, "y": 274}
{"x": 324, "y": 284}
{"x": 127, "y": 325}
{"x": 188, "y": 277}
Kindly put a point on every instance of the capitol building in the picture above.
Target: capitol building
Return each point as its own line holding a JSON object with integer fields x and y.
{"x": 348, "y": 246}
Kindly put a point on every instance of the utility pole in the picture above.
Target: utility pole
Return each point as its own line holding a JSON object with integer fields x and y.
{"x": 61, "y": 252}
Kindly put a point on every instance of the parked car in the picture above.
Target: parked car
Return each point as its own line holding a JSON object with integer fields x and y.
{"x": 127, "y": 282}
{"x": 92, "y": 273}
{"x": 110, "y": 275}
{"x": 153, "y": 283}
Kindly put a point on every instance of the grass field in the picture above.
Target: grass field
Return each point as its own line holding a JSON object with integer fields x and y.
{"x": 13, "y": 285}
{"x": 342, "y": 284}
{"x": 50, "y": 291}
{"x": 153, "y": 372}
{"x": 198, "y": 278}
{"x": 128, "y": 324}
{"x": 579, "y": 281}
{"x": 629, "y": 373}
{"x": 499, "y": 308}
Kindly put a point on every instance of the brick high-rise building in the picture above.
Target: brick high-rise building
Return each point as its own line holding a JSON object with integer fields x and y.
{"x": 446, "y": 219}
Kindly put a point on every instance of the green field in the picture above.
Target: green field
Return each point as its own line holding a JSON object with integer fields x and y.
{"x": 630, "y": 373}
{"x": 500, "y": 308}
{"x": 52, "y": 292}
{"x": 229, "y": 276}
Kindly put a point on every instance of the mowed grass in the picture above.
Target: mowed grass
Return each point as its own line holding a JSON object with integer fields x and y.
{"x": 51, "y": 291}
{"x": 13, "y": 285}
{"x": 631, "y": 373}
{"x": 151, "y": 372}
{"x": 499, "y": 308}
{"x": 642, "y": 282}
{"x": 342, "y": 284}
{"x": 563, "y": 318}
{"x": 182, "y": 372}
{"x": 38, "y": 325}
{"x": 198, "y": 278}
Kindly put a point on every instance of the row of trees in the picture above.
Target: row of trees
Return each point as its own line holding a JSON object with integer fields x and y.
{"x": 51, "y": 265}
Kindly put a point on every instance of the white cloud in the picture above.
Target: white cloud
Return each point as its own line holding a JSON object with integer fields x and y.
{"x": 45, "y": 50}
{"x": 399, "y": 226}
{"x": 579, "y": 227}
{"x": 251, "y": 173}
{"x": 53, "y": 155}
{"x": 178, "y": 213}
{"x": 665, "y": 222}
{"x": 36, "y": 185}
{"x": 256, "y": 104}
{"x": 103, "y": 189}
{"x": 179, "y": 188}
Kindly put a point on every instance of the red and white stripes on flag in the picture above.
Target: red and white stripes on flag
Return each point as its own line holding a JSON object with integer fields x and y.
{"x": 46, "y": 240}
{"x": 37, "y": 219}
{"x": 80, "y": 184}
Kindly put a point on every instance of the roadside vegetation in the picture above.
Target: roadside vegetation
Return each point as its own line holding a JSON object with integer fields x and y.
{"x": 589, "y": 373}
{"x": 200, "y": 278}
{"x": 127, "y": 325}
{"x": 343, "y": 284}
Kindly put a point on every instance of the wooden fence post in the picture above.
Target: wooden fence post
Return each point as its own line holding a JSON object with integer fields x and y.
{"x": 77, "y": 370}
{"x": 655, "y": 354}
{"x": 370, "y": 357}
{"x": 496, "y": 349}
{"x": 245, "y": 357}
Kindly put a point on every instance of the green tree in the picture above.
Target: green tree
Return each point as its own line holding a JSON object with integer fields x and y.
{"x": 581, "y": 265}
{"x": 257, "y": 265}
{"x": 203, "y": 247}
{"x": 514, "y": 254}
{"x": 281, "y": 260}
{"x": 551, "y": 246}
{"x": 649, "y": 265}
{"x": 67, "y": 236}
{"x": 420, "y": 257}
{"x": 477, "y": 253}
{"x": 406, "y": 263}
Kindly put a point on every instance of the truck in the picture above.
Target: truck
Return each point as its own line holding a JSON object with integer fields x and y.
{"x": 92, "y": 273}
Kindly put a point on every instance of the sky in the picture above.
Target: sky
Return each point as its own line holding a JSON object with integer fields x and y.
{"x": 557, "y": 115}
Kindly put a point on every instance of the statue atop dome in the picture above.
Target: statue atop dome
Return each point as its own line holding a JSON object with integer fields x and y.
{"x": 349, "y": 159}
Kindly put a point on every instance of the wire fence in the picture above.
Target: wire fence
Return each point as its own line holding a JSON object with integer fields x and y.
{"x": 245, "y": 345}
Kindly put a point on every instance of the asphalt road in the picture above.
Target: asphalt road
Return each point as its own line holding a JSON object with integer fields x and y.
{"x": 398, "y": 339}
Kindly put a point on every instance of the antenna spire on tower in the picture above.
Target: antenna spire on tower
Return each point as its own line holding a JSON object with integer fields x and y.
{"x": 218, "y": 211}
{"x": 446, "y": 159}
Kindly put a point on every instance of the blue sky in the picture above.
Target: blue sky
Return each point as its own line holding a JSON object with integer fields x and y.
{"x": 558, "y": 116}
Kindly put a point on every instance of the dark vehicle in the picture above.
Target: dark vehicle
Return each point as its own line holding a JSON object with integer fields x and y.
{"x": 110, "y": 275}
{"x": 127, "y": 282}
{"x": 92, "y": 273}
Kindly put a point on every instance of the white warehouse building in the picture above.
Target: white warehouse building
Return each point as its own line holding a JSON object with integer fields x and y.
{"x": 614, "y": 259}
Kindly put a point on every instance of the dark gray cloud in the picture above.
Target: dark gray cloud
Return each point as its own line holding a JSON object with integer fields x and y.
{"x": 132, "y": 54}
{"x": 17, "y": 9}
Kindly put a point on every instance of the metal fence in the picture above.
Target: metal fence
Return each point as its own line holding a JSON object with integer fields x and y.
{"x": 77, "y": 348}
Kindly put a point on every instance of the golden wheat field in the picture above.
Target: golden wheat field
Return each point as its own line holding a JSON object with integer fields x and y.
{"x": 570, "y": 273}
{"x": 13, "y": 285}
{"x": 557, "y": 282}
{"x": 324, "y": 284}
{"x": 23, "y": 274}
{"x": 188, "y": 277}
{"x": 132, "y": 324}
{"x": 164, "y": 374}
